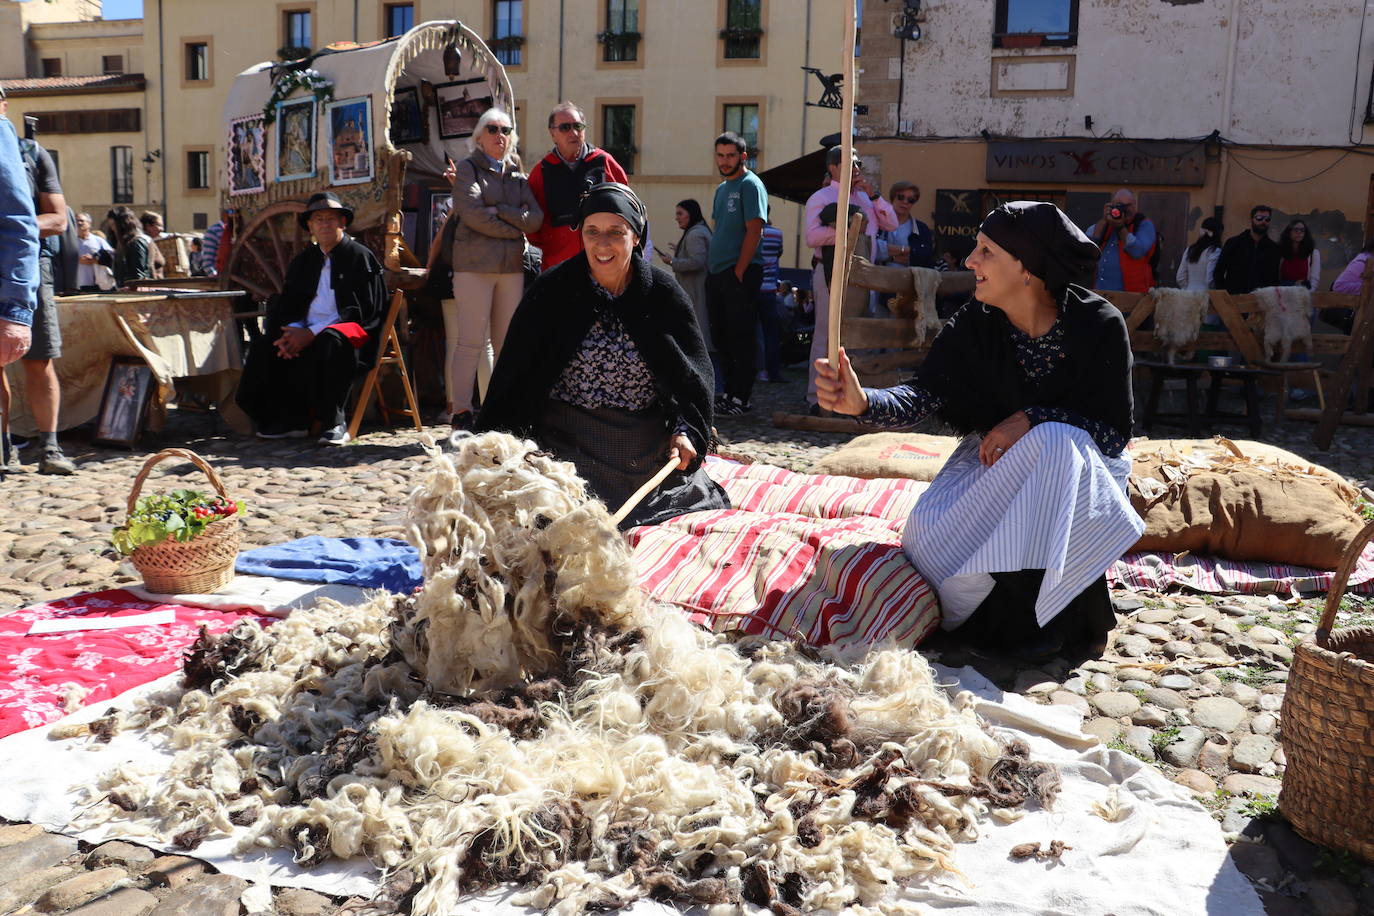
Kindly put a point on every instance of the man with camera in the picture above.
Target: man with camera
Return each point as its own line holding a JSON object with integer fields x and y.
{"x": 1129, "y": 243}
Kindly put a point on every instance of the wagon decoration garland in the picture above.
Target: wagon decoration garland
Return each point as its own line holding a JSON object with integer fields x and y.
{"x": 309, "y": 79}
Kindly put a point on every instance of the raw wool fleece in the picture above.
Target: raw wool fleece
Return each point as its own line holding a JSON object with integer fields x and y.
{"x": 926, "y": 283}
{"x": 1178, "y": 317}
{"x": 632, "y": 754}
{"x": 1287, "y": 319}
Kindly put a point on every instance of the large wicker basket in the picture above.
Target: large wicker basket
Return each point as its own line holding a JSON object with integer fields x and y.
{"x": 1328, "y": 728}
{"x": 195, "y": 567}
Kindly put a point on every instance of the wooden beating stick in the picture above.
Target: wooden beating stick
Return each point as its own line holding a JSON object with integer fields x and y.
{"x": 638, "y": 495}
{"x": 839, "y": 274}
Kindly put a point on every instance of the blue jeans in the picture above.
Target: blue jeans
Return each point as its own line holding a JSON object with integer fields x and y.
{"x": 769, "y": 351}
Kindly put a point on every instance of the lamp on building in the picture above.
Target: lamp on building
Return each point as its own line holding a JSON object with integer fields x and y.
{"x": 453, "y": 61}
{"x": 908, "y": 28}
{"x": 151, "y": 157}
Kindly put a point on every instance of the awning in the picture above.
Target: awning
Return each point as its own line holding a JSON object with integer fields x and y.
{"x": 796, "y": 180}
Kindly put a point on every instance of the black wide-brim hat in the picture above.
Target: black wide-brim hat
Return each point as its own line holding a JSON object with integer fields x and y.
{"x": 324, "y": 200}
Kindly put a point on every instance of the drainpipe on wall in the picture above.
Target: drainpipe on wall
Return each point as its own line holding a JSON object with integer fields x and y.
{"x": 162, "y": 106}
{"x": 1356, "y": 134}
{"x": 560, "y": 52}
{"x": 801, "y": 147}
{"x": 355, "y": 21}
{"x": 1218, "y": 202}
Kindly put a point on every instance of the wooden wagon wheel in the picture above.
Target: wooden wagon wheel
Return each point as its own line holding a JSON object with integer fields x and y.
{"x": 263, "y": 250}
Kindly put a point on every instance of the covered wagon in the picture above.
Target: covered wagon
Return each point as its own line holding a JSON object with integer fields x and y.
{"x": 374, "y": 123}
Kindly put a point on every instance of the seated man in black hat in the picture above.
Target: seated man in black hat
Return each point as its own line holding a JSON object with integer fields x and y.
{"x": 320, "y": 330}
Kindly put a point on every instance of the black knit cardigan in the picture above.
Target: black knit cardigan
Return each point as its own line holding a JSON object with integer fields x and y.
{"x": 974, "y": 367}
{"x": 552, "y": 321}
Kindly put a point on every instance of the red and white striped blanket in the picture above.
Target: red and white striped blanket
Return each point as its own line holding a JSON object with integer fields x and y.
{"x": 811, "y": 556}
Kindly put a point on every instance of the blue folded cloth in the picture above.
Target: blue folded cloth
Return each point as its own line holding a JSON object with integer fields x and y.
{"x": 364, "y": 562}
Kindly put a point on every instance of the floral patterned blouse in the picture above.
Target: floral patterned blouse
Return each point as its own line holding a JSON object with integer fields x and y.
{"x": 607, "y": 370}
{"x": 907, "y": 404}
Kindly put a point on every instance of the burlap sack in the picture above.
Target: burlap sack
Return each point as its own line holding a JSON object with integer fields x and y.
{"x": 1262, "y": 452}
{"x": 1233, "y": 504}
{"x": 914, "y": 456}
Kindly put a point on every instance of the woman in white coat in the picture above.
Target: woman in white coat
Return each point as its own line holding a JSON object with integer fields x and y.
{"x": 1199, "y": 261}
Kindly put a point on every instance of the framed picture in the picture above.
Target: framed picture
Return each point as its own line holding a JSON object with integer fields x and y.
{"x": 460, "y": 104}
{"x": 247, "y": 171}
{"x": 408, "y": 121}
{"x": 350, "y": 140}
{"x": 296, "y": 139}
{"x": 125, "y": 402}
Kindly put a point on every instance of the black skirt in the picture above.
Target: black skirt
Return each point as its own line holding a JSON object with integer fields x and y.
{"x": 617, "y": 451}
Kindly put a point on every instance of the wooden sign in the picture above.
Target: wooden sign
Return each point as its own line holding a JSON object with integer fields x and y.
{"x": 1076, "y": 162}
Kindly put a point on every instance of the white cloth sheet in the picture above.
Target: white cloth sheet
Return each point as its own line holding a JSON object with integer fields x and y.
{"x": 1164, "y": 858}
{"x": 1052, "y": 502}
{"x": 261, "y": 594}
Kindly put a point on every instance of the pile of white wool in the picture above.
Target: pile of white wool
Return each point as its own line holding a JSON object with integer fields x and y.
{"x": 528, "y": 717}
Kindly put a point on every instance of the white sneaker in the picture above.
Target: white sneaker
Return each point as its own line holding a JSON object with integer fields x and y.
{"x": 335, "y": 435}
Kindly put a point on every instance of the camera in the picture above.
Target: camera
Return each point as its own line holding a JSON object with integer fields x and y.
{"x": 1116, "y": 212}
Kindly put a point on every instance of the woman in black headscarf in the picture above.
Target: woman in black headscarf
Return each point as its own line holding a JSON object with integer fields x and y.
{"x": 604, "y": 366}
{"x": 1019, "y": 526}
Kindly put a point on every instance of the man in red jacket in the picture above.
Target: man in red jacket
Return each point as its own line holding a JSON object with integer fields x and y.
{"x": 560, "y": 179}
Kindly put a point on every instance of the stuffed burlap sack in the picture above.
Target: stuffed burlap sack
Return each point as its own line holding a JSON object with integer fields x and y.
{"x": 1230, "y": 504}
{"x": 914, "y": 456}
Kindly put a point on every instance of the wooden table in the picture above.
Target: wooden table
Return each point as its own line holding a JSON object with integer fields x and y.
{"x": 189, "y": 336}
{"x": 1191, "y": 373}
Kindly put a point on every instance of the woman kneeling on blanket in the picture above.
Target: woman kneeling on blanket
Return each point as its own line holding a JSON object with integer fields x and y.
{"x": 1016, "y": 530}
{"x": 604, "y": 365}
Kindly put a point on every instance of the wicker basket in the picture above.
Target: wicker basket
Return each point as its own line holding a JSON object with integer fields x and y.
{"x": 195, "y": 567}
{"x": 1328, "y": 728}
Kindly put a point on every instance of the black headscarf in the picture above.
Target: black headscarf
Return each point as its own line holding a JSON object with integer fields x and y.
{"x": 1045, "y": 241}
{"x": 613, "y": 197}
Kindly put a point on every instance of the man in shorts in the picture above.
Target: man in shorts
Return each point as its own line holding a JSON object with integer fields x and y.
{"x": 40, "y": 378}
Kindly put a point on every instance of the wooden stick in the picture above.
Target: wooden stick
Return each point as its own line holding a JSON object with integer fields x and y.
{"x": 644, "y": 491}
{"x": 839, "y": 273}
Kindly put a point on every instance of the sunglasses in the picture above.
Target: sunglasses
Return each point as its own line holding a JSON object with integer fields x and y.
{"x": 905, "y": 198}
{"x": 570, "y": 125}
{"x": 1260, "y": 219}
{"x": 500, "y": 129}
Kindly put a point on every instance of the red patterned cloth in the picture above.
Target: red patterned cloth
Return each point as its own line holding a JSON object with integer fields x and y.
{"x": 813, "y": 556}
{"x": 36, "y": 671}
{"x": 1219, "y": 576}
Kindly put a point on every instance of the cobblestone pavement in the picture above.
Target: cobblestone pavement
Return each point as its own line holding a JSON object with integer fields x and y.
{"x": 1191, "y": 684}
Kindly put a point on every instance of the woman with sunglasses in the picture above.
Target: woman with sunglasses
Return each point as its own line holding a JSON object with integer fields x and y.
{"x": 912, "y": 243}
{"x": 605, "y": 366}
{"x": 1301, "y": 262}
{"x": 1020, "y": 525}
{"x": 494, "y": 208}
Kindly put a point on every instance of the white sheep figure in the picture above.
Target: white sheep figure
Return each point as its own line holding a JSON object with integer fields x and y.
{"x": 1287, "y": 314}
{"x": 1178, "y": 317}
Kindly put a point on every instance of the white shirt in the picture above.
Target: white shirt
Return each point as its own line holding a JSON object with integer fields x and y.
{"x": 324, "y": 310}
{"x": 91, "y": 245}
{"x": 1197, "y": 274}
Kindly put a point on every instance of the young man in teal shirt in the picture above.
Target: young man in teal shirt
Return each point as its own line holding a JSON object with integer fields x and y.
{"x": 735, "y": 271}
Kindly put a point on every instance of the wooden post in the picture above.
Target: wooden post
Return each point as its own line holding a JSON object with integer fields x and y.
{"x": 839, "y": 275}
{"x": 1353, "y": 367}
